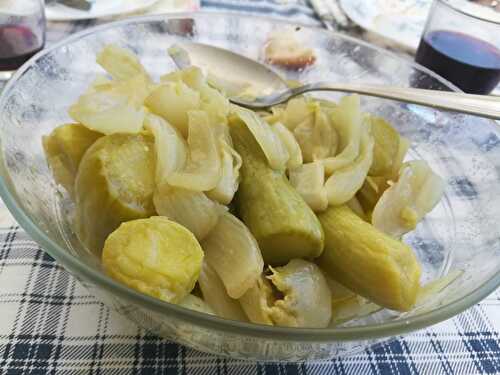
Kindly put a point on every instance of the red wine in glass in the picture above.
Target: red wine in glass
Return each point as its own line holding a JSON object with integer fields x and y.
{"x": 17, "y": 44}
{"x": 470, "y": 63}
{"x": 22, "y": 33}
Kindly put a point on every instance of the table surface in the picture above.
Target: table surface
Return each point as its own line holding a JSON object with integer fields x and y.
{"x": 50, "y": 324}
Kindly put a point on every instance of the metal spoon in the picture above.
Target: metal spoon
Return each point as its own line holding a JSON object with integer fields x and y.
{"x": 240, "y": 71}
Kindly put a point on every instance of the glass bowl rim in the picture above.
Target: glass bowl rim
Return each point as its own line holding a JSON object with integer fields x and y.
{"x": 81, "y": 270}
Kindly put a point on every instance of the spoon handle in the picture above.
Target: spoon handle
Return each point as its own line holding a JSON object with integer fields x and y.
{"x": 480, "y": 105}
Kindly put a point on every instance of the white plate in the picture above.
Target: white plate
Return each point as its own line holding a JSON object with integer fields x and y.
{"x": 398, "y": 21}
{"x": 100, "y": 8}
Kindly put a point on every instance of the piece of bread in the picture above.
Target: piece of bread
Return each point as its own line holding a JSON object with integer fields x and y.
{"x": 285, "y": 50}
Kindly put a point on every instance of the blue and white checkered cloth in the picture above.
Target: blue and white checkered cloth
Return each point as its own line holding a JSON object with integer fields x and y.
{"x": 50, "y": 324}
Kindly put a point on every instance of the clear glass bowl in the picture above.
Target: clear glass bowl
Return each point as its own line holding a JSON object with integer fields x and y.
{"x": 461, "y": 235}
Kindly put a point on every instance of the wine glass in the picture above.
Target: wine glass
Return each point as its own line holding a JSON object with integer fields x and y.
{"x": 461, "y": 42}
{"x": 22, "y": 33}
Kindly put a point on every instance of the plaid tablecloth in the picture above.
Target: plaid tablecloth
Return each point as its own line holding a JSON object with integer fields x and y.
{"x": 50, "y": 324}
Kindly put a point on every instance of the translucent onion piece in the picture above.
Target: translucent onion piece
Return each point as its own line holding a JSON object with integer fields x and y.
{"x": 212, "y": 100}
{"x": 202, "y": 171}
{"x": 191, "y": 209}
{"x": 171, "y": 149}
{"x": 315, "y": 134}
{"x": 296, "y": 112}
{"x": 304, "y": 134}
{"x": 230, "y": 175}
{"x": 337, "y": 290}
{"x": 355, "y": 307}
{"x": 325, "y": 137}
{"x": 405, "y": 203}
{"x": 192, "y": 76}
{"x": 221, "y": 132}
{"x": 347, "y": 305}
{"x": 347, "y": 120}
{"x": 306, "y": 298}
{"x": 295, "y": 295}
{"x": 120, "y": 63}
{"x": 343, "y": 184}
{"x": 215, "y": 104}
{"x": 430, "y": 290}
{"x": 214, "y": 293}
{"x": 113, "y": 108}
{"x": 100, "y": 82}
{"x": 197, "y": 304}
{"x": 275, "y": 115}
{"x": 172, "y": 101}
{"x": 257, "y": 301}
{"x": 291, "y": 145}
{"x": 309, "y": 180}
{"x": 271, "y": 145}
{"x": 233, "y": 252}
{"x": 404, "y": 145}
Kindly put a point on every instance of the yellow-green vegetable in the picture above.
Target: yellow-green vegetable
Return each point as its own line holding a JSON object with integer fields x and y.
{"x": 281, "y": 221}
{"x": 64, "y": 149}
{"x": 367, "y": 261}
{"x": 114, "y": 183}
{"x": 155, "y": 256}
